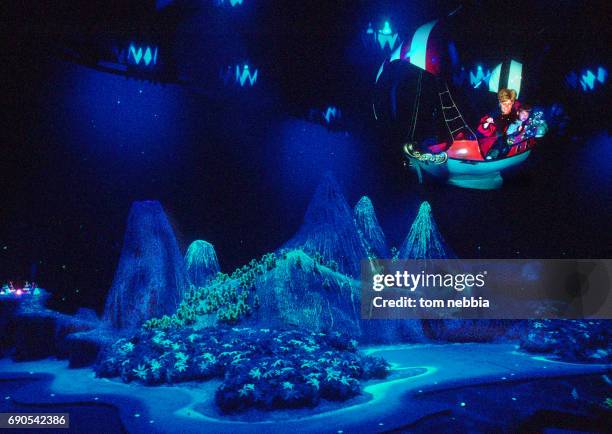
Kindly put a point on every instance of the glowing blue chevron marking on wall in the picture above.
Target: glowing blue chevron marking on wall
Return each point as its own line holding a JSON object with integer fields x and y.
{"x": 146, "y": 54}
{"x": 331, "y": 113}
{"x": 232, "y": 3}
{"x": 588, "y": 79}
{"x": 386, "y": 37}
{"x": 476, "y": 79}
{"x": 243, "y": 74}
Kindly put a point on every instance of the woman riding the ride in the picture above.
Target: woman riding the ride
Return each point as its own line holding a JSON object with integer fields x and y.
{"x": 492, "y": 131}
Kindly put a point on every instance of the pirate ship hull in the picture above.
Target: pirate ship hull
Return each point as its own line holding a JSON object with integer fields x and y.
{"x": 462, "y": 165}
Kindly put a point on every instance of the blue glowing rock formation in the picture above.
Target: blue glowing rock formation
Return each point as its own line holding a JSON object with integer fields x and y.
{"x": 369, "y": 230}
{"x": 150, "y": 279}
{"x": 301, "y": 292}
{"x": 424, "y": 241}
{"x": 201, "y": 263}
{"x": 329, "y": 229}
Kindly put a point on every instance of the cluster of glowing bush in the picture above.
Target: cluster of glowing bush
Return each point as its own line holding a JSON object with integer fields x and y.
{"x": 260, "y": 368}
{"x": 569, "y": 340}
{"x": 230, "y": 297}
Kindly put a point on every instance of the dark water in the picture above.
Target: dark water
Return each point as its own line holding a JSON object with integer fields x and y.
{"x": 569, "y": 405}
{"x": 573, "y": 404}
{"x": 85, "y": 417}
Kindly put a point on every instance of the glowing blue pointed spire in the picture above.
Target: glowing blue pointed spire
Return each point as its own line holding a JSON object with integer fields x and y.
{"x": 386, "y": 30}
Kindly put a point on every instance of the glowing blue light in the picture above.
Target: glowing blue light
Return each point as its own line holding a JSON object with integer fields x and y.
{"x": 147, "y": 56}
{"x": 602, "y": 74}
{"x": 588, "y": 79}
{"x": 328, "y": 117}
{"x": 136, "y": 54}
{"x": 232, "y": 3}
{"x": 243, "y": 74}
{"x": 386, "y": 29}
{"x": 479, "y": 77}
{"x": 386, "y": 37}
{"x": 331, "y": 113}
{"x": 370, "y": 30}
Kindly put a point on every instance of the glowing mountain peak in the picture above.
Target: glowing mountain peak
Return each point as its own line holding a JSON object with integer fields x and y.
{"x": 369, "y": 229}
{"x": 201, "y": 262}
{"x": 424, "y": 240}
{"x": 150, "y": 280}
{"x": 329, "y": 228}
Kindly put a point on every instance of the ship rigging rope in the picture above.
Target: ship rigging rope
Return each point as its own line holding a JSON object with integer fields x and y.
{"x": 417, "y": 102}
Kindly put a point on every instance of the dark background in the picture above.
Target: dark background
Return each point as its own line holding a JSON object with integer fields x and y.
{"x": 237, "y": 167}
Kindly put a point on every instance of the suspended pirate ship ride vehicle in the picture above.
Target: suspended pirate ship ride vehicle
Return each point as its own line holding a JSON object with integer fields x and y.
{"x": 461, "y": 160}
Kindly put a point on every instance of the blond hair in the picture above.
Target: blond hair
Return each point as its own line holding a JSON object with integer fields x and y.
{"x": 506, "y": 94}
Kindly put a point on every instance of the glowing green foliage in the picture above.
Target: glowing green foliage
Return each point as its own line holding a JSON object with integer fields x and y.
{"x": 230, "y": 297}
{"x": 260, "y": 368}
